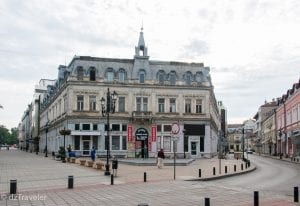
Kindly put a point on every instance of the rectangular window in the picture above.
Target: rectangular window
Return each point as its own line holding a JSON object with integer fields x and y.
{"x": 188, "y": 106}
{"x": 145, "y": 104}
{"x": 167, "y": 144}
{"x": 138, "y": 104}
{"x": 77, "y": 143}
{"x": 95, "y": 127}
{"x": 77, "y": 126}
{"x": 124, "y": 142}
{"x": 167, "y": 128}
{"x": 65, "y": 104}
{"x": 202, "y": 144}
{"x": 86, "y": 126}
{"x": 80, "y": 101}
{"x": 95, "y": 142}
{"x": 159, "y": 127}
{"x": 158, "y": 143}
{"x": 198, "y": 106}
{"x": 142, "y": 104}
{"x": 121, "y": 104}
{"x": 124, "y": 127}
{"x": 173, "y": 105}
{"x": 115, "y": 142}
{"x": 115, "y": 127}
{"x": 161, "y": 105}
{"x": 92, "y": 103}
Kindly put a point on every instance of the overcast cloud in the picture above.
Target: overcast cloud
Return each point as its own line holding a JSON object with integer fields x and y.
{"x": 251, "y": 46}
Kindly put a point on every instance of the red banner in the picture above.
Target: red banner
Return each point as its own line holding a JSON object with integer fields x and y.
{"x": 154, "y": 132}
{"x": 129, "y": 132}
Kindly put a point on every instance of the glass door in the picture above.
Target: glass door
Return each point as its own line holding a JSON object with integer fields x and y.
{"x": 86, "y": 147}
{"x": 193, "y": 148}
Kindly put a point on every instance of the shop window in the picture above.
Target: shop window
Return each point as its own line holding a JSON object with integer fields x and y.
{"x": 115, "y": 142}
{"x": 86, "y": 126}
{"x": 124, "y": 142}
{"x": 77, "y": 142}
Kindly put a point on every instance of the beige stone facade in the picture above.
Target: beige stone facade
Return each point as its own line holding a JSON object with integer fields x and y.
{"x": 153, "y": 96}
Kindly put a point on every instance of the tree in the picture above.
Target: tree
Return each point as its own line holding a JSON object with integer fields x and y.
{"x": 8, "y": 137}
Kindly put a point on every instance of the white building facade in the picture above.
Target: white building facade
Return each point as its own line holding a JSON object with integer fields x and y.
{"x": 153, "y": 96}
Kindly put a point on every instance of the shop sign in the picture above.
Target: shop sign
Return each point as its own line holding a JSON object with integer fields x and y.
{"x": 141, "y": 134}
{"x": 129, "y": 132}
{"x": 154, "y": 132}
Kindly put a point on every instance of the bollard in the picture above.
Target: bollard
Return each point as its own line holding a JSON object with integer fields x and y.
{"x": 248, "y": 163}
{"x": 70, "y": 182}
{"x": 256, "y": 198}
{"x": 111, "y": 179}
{"x": 234, "y": 168}
{"x": 206, "y": 201}
{"x": 145, "y": 177}
{"x": 296, "y": 194}
{"x": 13, "y": 187}
{"x": 242, "y": 167}
{"x": 225, "y": 169}
{"x": 199, "y": 172}
{"x": 214, "y": 171}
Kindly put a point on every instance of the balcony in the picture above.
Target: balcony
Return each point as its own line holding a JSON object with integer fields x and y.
{"x": 140, "y": 116}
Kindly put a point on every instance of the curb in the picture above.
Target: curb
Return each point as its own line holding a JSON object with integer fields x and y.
{"x": 223, "y": 176}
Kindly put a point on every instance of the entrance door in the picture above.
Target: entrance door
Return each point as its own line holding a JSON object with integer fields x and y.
{"x": 144, "y": 148}
{"x": 86, "y": 147}
{"x": 194, "y": 148}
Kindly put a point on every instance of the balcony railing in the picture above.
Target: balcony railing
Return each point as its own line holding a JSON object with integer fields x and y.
{"x": 141, "y": 116}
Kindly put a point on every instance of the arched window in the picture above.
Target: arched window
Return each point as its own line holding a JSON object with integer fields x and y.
{"x": 92, "y": 74}
{"x": 172, "y": 78}
{"x": 161, "y": 77}
{"x": 122, "y": 75}
{"x": 142, "y": 76}
{"x": 80, "y": 73}
{"x": 199, "y": 77}
{"x": 109, "y": 74}
{"x": 188, "y": 77}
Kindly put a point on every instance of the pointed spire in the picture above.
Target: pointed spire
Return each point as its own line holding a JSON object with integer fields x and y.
{"x": 141, "y": 49}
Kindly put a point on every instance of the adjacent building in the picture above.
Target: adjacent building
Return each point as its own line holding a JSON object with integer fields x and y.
{"x": 288, "y": 122}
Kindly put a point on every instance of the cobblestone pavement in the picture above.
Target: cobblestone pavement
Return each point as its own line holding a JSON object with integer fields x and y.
{"x": 43, "y": 181}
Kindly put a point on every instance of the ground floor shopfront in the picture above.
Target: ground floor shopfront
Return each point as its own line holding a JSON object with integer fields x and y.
{"x": 137, "y": 140}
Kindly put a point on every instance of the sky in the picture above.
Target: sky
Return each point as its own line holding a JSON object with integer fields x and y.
{"x": 252, "y": 46}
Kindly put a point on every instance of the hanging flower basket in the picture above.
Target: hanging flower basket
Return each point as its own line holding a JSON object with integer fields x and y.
{"x": 65, "y": 132}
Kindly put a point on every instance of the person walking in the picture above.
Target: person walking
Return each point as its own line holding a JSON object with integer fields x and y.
{"x": 160, "y": 157}
{"x": 93, "y": 154}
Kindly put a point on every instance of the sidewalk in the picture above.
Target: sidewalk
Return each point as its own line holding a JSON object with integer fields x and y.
{"x": 36, "y": 172}
{"x": 292, "y": 160}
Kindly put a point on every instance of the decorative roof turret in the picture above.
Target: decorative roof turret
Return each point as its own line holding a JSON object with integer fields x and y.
{"x": 141, "y": 50}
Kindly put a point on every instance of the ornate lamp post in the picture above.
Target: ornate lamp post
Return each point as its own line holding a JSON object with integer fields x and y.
{"x": 46, "y": 148}
{"x": 64, "y": 132}
{"x": 108, "y": 108}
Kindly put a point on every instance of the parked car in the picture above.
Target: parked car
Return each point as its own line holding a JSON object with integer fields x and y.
{"x": 249, "y": 151}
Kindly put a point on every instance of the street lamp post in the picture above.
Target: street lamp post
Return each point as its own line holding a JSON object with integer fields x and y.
{"x": 108, "y": 108}
{"x": 243, "y": 144}
{"x": 46, "y": 148}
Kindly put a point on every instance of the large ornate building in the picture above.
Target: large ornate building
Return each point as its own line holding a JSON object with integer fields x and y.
{"x": 152, "y": 96}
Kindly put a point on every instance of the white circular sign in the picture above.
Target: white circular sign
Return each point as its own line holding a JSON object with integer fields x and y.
{"x": 175, "y": 128}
